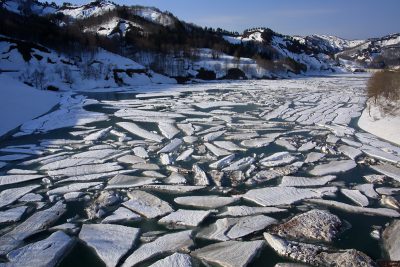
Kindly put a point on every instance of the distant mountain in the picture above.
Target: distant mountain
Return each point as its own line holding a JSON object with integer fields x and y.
{"x": 162, "y": 42}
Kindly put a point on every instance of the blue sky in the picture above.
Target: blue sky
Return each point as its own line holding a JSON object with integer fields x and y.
{"x": 345, "y": 18}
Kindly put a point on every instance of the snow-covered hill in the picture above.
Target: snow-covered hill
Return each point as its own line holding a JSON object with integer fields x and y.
{"x": 375, "y": 53}
{"x": 43, "y": 68}
{"x": 328, "y": 43}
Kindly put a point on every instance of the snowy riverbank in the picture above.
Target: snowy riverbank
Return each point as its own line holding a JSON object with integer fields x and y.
{"x": 20, "y": 103}
{"x": 385, "y": 126}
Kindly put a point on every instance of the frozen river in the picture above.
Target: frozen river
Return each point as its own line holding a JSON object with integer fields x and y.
{"x": 243, "y": 173}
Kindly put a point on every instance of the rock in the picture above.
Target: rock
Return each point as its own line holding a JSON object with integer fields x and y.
{"x": 306, "y": 181}
{"x": 209, "y": 202}
{"x": 332, "y": 167}
{"x": 47, "y": 252}
{"x": 147, "y": 205}
{"x": 355, "y": 196}
{"x": 315, "y": 224}
{"x": 111, "y": 242}
{"x": 185, "y": 217}
{"x": 390, "y": 201}
{"x": 391, "y": 240}
{"x": 317, "y": 255}
{"x": 230, "y": 253}
{"x": 38, "y": 222}
{"x": 275, "y": 196}
{"x": 122, "y": 215}
{"x": 12, "y": 215}
{"x": 168, "y": 243}
{"x": 175, "y": 260}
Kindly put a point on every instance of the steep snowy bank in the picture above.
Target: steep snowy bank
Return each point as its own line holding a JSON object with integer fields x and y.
{"x": 385, "y": 126}
{"x": 20, "y": 103}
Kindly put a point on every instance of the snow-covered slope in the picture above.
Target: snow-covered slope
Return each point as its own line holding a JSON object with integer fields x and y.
{"x": 283, "y": 47}
{"x": 328, "y": 43}
{"x": 154, "y": 15}
{"x": 375, "y": 53}
{"x": 95, "y": 8}
{"x": 43, "y": 68}
{"x": 25, "y": 7}
{"x": 20, "y": 103}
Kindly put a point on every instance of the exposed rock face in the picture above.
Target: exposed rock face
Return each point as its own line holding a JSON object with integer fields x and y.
{"x": 230, "y": 253}
{"x": 391, "y": 240}
{"x": 318, "y": 255}
{"x": 315, "y": 224}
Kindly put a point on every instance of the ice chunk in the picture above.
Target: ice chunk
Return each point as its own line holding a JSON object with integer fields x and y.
{"x": 216, "y": 150}
{"x": 12, "y": 215}
{"x": 98, "y": 135}
{"x": 136, "y": 130}
{"x": 176, "y": 260}
{"x": 172, "y": 146}
{"x": 349, "y": 151}
{"x": 355, "y": 209}
{"x": 18, "y": 178}
{"x": 185, "y": 217}
{"x": 228, "y": 145}
{"x": 275, "y": 196}
{"x": 307, "y": 146}
{"x": 200, "y": 177}
{"x": 332, "y": 167}
{"x": 277, "y": 159}
{"x": 356, "y": 197}
{"x": 388, "y": 170}
{"x": 222, "y": 162}
{"x": 212, "y": 136}
{"x": 209, "y": 202}
{"x": 230, "y": 253}
{"x": 122, "y": 215}
{"x": 168, "y": 129}
{"x": 38, "y": 222}
{"x": 185, "y": 155}
{"x": 314, "y": 157}
{"x": 72, "y": 188}
{"x": 111, "y": 242}
{"x": 168, "y": 243}
{"x": 147, "y": 204}
{"x": 391, "y": 240}
{"x": 131, "y": 159}
{"x": 140, "y": 152}
{"x": 239, "y": 165}
{"x": 47, "y": 252}
{"x": 85, "y": 170}
{"x": 296, "y": 181}
{"x": 9, "y": 196}
{"x": 239, "y": 211}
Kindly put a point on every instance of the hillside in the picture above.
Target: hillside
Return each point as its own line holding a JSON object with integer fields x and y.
{"x": 161, "y": 43}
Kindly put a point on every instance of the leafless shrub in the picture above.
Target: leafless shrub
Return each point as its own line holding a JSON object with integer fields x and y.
{"x": 384, "y": 90}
